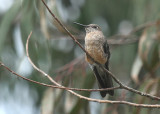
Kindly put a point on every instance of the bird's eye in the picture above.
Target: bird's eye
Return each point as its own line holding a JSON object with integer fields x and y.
{"x": 95, "y": 27}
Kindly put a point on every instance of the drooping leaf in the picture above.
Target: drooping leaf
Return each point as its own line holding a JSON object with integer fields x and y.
{"x": 136, "y": 68}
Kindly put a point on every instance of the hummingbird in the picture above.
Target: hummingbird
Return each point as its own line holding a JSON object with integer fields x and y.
{"x": 98, "y": 48}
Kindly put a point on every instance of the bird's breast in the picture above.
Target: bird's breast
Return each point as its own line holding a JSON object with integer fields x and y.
{"x": 94, "y": 46}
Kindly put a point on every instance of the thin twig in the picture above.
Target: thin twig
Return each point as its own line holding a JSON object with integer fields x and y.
{"x": 83, "y": 97}
{"x": 67, "y": 31}
{"x": 73, "y": 62}
{"x": 52, "y": 86}
{"x": 115, "y": 79}
{"x": 121, "y": 85}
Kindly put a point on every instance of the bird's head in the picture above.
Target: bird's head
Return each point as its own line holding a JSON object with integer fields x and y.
{"x": 90, "y": 28}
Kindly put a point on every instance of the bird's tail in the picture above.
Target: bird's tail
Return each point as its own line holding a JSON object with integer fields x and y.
{"x": 104, "y": 80}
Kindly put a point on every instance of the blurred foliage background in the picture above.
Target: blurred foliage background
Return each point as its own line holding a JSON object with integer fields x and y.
{"x": 51, "y": 49}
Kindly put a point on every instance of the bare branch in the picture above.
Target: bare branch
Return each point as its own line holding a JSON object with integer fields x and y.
{"x": 116, "y": 80}
{"x": 59, "y": 86}
{"x": 83, "y": 97}
{"x": 47, "y": 85}
{"x": 121, "y": 85}
{"x": 73, "y": 62}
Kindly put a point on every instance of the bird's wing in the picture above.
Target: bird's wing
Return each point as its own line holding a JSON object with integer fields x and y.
{"x": 107, "y": 53}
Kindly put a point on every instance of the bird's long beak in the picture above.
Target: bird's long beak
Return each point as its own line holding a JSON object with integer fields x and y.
{"x": 80, "y": 24}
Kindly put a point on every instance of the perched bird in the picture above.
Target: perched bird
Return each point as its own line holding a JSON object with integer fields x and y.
{"x": 98, "y": 49}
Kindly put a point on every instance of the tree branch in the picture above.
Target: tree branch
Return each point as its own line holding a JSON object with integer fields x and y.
{"x": 52, "y": 86}
{"x": 83, "y": 97}
{"x": 113, "y": 76}
{"x": 59, "y": 86}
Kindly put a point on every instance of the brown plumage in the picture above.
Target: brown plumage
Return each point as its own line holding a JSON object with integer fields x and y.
{"x": 97, "y": 47}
